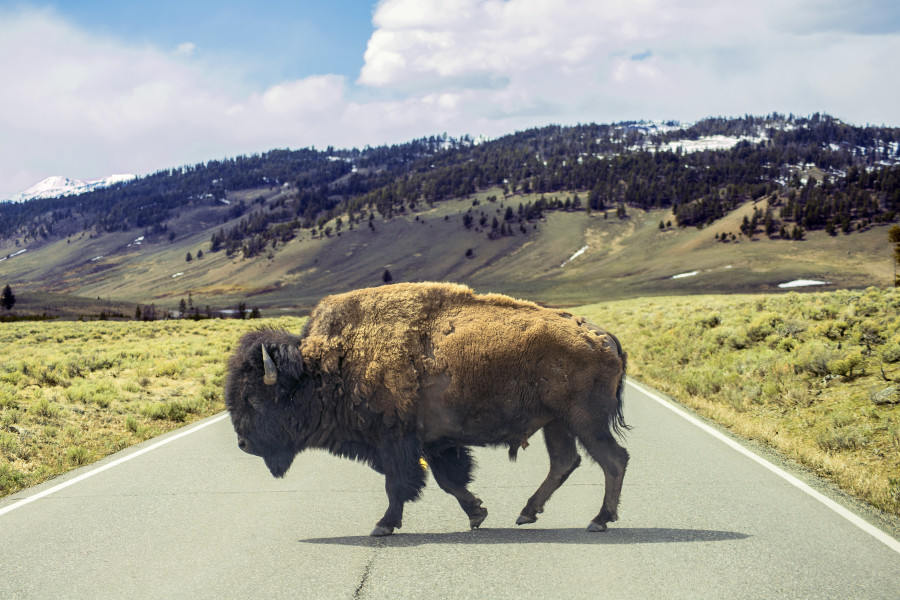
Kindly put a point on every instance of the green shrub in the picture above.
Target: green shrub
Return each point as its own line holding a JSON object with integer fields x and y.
{"x": 100, "y": 392}
{"x": 51, "y": 376}
{"x": 9, "y": 445}
{"x": 131, "y": 424}
{"x": 9, "y": 397}
{"x": 738, "y": 340}
{"x": 846, "y": 364}
{"x": 131, "y": 387}
{"x": 10, "y": 417}
{"x": 836, "y": 330}
{"x": 211, "y": 393}
{"x": 11, "y": 478}
{"x": 174, "y": 410}
{"x": 851, "y": 437}
{"x": 891, "y": 353}
{"x": 709, "y": 321}
{"x": 170, "y": 368}
{"x": 45, "y": 408}
{"x": 77, "y": 455}
{"x": 762, "y": 326}
{"x": 787, "y": 344}
{"x": 814, "y": 357}
{"x": 868, "y": 333}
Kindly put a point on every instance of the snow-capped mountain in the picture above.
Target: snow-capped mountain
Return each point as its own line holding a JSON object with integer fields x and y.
{"x": 56, "y": 186}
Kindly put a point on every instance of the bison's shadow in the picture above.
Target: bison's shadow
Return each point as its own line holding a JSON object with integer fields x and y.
{"x": 633, "y": 535}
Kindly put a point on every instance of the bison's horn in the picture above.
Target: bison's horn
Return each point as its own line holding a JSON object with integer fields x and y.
{"x": 271, "y": 375}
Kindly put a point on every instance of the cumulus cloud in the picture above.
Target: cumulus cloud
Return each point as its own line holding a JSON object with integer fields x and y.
{"x": 571, "y": 60}
{"x": 314, "y": 94}
{"x": 85, "y": 106}
{"x": 186, "y": 49}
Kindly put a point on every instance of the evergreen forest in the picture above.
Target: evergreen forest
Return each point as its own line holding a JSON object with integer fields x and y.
{"x": 803, "y": 173}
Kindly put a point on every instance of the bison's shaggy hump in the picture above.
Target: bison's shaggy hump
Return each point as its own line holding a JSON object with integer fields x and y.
{"x": 387, "y": 342}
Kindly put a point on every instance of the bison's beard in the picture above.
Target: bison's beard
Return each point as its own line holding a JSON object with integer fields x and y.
{"x": 279, "y": 463}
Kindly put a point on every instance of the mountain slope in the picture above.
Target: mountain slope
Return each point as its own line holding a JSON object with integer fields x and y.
{"x": 286, "y": 227}
{"x": 619, "y": 258}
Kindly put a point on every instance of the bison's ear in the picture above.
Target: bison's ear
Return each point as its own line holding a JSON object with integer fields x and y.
{"x": 271, "y": 373}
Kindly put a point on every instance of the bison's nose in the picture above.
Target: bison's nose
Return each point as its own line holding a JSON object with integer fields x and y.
{"x": 242, "y": 444}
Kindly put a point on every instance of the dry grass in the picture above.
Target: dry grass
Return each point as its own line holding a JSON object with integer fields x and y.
{"x": 795, "y": 371}
{"x": 72, "y": 393}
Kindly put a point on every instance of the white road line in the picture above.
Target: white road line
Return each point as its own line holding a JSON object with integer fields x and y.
{"x": 109, "y": 465}
{"x": 878, "y": 534}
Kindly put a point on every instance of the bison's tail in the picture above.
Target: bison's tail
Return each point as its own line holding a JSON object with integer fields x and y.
{"x": 616, "y": 418}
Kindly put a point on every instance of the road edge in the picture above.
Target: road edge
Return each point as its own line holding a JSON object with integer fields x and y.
{"x": 70, "y": 478}
{"x": 742, "y": 446}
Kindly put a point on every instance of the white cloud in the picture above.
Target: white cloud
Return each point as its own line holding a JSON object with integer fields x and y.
{"x": 85, "y": 106}
{"x": 305, "y": 96}
{"x": 186, "y": 49}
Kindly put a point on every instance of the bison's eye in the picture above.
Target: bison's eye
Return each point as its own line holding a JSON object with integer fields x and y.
{"x": 254, "y": 401}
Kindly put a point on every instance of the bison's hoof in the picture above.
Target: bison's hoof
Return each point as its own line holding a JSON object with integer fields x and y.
{"x": 594, "y": 526}
{"x": 381, "y": 531}
{"x": 525, "y": 519}
{"x": 478, "y": 518}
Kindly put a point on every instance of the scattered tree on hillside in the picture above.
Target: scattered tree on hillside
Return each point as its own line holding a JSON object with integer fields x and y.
{"x": 604, "y": 167}
{"x": 188, "y": 257}
{"x": 387, "y": 277}
{"x": 7, "y": 298}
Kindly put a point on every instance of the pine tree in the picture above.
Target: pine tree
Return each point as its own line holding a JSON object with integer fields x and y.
{"x": 387, "y": 277}
{"x": 7, "y": 298}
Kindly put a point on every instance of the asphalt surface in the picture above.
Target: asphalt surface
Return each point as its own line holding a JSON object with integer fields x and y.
{"x": 190, "y": 516}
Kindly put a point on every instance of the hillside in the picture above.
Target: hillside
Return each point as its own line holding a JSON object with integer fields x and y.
{"x": 748, "y": 204}
{"x": 621, "y": 258}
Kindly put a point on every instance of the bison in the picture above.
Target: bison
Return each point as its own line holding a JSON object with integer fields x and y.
{"x": 398, "y": 374}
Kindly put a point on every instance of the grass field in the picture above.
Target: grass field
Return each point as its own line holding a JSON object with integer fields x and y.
{"x": 801, "y": 373}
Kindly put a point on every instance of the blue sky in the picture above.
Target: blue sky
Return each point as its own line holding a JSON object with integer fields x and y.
{"x": 274, "y": 41}
{"x": 92, "y": 88}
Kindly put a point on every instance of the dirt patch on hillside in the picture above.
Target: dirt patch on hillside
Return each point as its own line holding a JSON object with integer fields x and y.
{"x": 604, "y": 240}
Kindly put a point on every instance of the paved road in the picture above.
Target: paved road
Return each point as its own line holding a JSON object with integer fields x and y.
{"x": 196, "y": 518}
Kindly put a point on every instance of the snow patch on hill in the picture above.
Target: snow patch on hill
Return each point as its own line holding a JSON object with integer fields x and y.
{"x": 802, "y": 283}
{"x": 574, "y": 256}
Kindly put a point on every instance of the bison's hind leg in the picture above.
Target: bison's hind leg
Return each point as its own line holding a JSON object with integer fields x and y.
{"x": 613, "y": 459}
{"x": 563, "y": 460}
{"x": 452, "y": 470}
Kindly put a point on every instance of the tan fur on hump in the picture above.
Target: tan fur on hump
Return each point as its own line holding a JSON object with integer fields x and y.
{"x": 382, "y": 341}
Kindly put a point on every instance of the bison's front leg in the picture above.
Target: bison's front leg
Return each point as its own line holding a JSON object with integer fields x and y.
{"x": 404, "y": 479}
{"x": 452, "y": 469}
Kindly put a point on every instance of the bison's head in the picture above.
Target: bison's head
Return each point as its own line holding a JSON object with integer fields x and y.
{"x": 264, "y": 374}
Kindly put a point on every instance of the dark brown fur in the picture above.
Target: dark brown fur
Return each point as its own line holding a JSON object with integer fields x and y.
{"x": 393, "y": 374}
